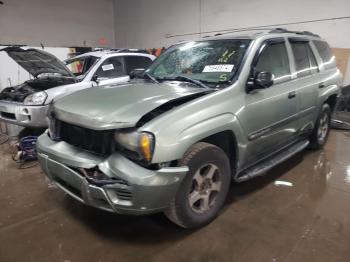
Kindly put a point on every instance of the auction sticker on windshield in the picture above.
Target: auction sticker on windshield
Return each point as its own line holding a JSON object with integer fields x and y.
{"x": 107, "y": 67}
{"x": 217, "y": 68}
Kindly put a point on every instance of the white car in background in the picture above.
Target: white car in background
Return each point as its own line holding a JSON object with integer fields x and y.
{"x": 26, "y": 104}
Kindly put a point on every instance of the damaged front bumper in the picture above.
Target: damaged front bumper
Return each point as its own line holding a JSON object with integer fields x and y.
{"x": 130, "y": 189}
{"x": 19, "y": 114}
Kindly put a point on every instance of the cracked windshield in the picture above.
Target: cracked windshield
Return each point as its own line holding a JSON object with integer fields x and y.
{"x": 214, "y": 61}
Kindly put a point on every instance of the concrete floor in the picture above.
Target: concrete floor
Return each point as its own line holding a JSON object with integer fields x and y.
{"x": 265, "y": 219}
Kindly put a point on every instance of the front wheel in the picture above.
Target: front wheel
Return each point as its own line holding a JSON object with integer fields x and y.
{"x": 320, "y": 133}
{"x": 204, "y": 189}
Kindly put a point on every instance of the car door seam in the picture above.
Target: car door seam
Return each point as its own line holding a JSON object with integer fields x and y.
{"x": 271, "y": 128}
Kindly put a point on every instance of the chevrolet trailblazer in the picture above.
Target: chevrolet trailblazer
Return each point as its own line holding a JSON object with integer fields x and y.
{"x": 203, "y": 114}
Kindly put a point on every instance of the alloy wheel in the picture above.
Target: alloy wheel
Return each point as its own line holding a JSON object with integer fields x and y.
{"x": 323, "y": 128}
{"x": 206, "y": 185}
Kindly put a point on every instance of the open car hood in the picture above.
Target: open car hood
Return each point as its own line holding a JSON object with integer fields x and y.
{"x": 37, "y": 62}
{"x": 120, "y": 106}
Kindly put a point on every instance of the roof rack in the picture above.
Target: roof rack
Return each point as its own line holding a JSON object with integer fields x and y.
{"x": 126, "y": 50}
{"x": 283, "y": 30}
{"x": 241, "y": 30}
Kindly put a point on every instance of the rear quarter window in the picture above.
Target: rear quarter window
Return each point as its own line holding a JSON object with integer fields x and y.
{"x": 325, "y": 52}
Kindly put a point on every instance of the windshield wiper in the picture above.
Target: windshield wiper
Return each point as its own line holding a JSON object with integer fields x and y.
{"x": 151, "y": 77}
{"x": 188, "y": 79}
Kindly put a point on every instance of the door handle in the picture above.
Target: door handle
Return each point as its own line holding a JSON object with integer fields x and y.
{"x": 292, "y": 94}
{"x": 322, "y": 85}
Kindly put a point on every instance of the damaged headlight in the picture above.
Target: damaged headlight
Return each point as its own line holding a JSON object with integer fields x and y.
{"x": 139, "y": 143}
{"x": 35, "y": 99}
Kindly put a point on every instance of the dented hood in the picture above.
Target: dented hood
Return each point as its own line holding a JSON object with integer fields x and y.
{"x": 119, "y": 106}
{"x": 37, "y": 62}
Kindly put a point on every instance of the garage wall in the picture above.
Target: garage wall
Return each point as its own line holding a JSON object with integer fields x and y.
{"x": 57, "y": 22}
{"x": 147, "y": 23}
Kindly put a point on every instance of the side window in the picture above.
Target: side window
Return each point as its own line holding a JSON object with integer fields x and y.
{"x": 274, "y": 59}
{"x": 305, "y": 62}
{"x": 111, "y": 68}
{"x": 325, "y": 53}
{"x": 313, "y": 62}
{"x": 136, "y": 62}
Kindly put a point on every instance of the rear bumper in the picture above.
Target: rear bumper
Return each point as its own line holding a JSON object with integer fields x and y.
{"x": 136, "y": 190}
{"x": 19, "y": 114}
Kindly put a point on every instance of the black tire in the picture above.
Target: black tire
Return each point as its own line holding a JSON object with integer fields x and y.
{"x": 203, "y": 159}
{"x": 317, "y": 141}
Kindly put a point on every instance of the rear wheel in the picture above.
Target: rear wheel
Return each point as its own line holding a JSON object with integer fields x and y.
{"x": 320, "y": 133}
{"x": 204, "y": 189}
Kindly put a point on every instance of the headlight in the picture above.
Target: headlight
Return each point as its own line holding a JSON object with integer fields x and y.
{"x": 35, "y": 99}
{"x": 141, "y": 143}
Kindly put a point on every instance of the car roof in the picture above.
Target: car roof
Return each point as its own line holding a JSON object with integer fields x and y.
{"x": 261, "y": 33}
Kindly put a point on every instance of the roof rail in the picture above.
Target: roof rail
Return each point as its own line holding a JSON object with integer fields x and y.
{"x": 240, "y": 30}
{"x": 126, "y": 50}
{"x": 284, "y": 30}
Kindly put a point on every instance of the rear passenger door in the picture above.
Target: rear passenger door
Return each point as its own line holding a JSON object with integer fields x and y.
{"x": 307, "y": 82}
{"x": 270, "y": 114}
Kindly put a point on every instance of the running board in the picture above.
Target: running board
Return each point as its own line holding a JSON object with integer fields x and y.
{"x": 262, "y": 167}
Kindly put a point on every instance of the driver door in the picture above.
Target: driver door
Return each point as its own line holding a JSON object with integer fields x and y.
{"x": 111, "y": 71}
{"x": 270, "y": 120}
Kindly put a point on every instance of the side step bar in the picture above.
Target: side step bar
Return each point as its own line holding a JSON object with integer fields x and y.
{"x": 262, "y": 167}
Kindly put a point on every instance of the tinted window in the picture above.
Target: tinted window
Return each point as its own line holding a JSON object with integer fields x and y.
{"x": 313, "y": 62}
{"x": 111, "y": 68}
{"x": 274, "y": 59}
{"x": 136, "y": 62}
{"x": 305, "y": 62}
{"x": 325, "y": 53}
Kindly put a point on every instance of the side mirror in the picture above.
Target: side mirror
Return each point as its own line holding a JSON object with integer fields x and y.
{"x": 95, "y": 78}
{"x": 136, "y": 73}
{"x": 98, "y": 79}
{"x": 261, "y": 80}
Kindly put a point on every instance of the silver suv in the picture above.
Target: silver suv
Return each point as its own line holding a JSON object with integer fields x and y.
{"x": 27, "y": 104}
{"x": 203, "y": 114}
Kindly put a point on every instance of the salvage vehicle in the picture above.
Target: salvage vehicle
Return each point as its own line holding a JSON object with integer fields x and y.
{"x": 26, "y": 104}
{"x": 205, "y": 113}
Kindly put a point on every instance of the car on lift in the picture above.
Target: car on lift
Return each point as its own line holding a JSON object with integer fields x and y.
{"x": 26, "y": 104}
{"x": 204, "y": 114}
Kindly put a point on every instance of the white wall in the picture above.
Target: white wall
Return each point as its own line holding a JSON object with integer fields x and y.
{"x": 56, "y": 22}
{"x": 142, "y": 23}
{"x": 146, "y": 23}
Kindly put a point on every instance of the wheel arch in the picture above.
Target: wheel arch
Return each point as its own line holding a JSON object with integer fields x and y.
{"x": 227, "y": 141}
{"x": 174, "y": 141}
{"x": 332, "y": 101}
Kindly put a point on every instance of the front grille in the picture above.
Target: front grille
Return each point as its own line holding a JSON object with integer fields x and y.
{"x": 95, "y": 141}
